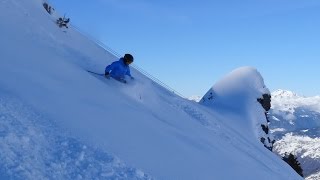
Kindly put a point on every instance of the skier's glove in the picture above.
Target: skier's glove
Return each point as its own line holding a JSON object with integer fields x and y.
{"x": 107, "y": 75}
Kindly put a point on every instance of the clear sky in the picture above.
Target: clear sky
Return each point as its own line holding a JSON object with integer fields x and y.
{"x": 191, "y": 44}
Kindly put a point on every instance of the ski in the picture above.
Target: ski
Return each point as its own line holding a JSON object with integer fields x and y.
{"x": 96, "y": 73}
{"x": 120, "y": 80}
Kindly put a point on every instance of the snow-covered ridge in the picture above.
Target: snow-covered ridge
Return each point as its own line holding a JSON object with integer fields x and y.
{"x": 283, "y": 100}
{"x": 246, "y": 80}
{"x": 294, "y": 112}
{"x": 284, "y": 94}
{"x": 239, "y": 92}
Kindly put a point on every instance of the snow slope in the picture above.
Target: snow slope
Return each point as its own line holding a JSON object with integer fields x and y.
{"x": 57, "y": 121}
{"x": 295, "y": 122}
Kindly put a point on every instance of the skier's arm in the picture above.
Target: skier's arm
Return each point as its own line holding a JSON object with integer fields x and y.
{"x": 110, "y": 67}
{"x": 129, "y": 74}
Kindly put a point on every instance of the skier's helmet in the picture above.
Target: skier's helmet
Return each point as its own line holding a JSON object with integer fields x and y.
{"x": 128, "y": 58}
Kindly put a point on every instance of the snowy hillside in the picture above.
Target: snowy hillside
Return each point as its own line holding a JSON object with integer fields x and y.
{"x": 57, "y": 121}
{"x": 295, "y": 122}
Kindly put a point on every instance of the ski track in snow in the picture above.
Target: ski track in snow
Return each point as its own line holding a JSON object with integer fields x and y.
{"x": 33, "y": 148}
{"x": 190, "y": 108}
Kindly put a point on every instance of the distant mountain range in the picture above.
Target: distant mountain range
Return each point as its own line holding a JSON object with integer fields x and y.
{"x": 295, "y": 124}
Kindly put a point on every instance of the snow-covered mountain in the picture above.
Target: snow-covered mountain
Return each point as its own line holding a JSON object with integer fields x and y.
{"x": 57, "y": 121}
{"x": 293, "y": 113}
{"x": 241, "y": 90}
{"x": 195, "y": 98}
{"x": 295, "y": 122}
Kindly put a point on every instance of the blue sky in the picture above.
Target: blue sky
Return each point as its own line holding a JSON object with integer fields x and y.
{"x": 190, "y": 45}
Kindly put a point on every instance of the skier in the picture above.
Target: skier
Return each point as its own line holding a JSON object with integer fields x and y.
{"x": 120, "y": 68}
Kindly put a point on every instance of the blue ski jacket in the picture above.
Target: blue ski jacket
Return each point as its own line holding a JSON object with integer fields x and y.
{"x": 118, "y": 69}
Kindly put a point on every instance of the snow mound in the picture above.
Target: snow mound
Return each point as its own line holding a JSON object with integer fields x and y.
{"x": 244, "y": 82}
{"x": 238, "y": 92}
